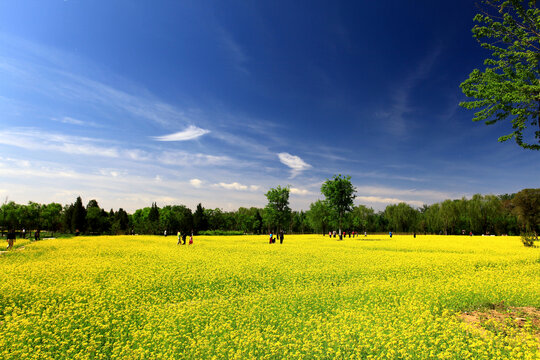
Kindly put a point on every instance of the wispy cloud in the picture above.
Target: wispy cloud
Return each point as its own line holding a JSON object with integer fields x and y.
{"x": 388, "y": 201}
{"x": 395, "y": 114}
{"x": 33, "y": 139}
{"x": 389, "y": 195}
{"x": 184, "y": 158}
{"x": 40, "y": 140}
{"x": 72, "y": 121}
{"x": 237, "y": 186}
{"x": 296, "y": 164}
{"x": 192, "y": 132}
{"x": 52, "y": 69}
{"x": 235, "y": 52}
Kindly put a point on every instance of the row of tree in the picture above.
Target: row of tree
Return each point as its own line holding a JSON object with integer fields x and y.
{"x": 489, "y": 214}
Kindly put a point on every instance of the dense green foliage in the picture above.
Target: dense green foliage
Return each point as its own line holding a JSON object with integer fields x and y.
{"x": 339, "y": 195}
{"x": 505, "y": 214}
{"x": 277, "y": 211}
{"x": 509, "y": 86}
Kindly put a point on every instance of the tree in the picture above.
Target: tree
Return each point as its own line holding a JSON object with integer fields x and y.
{"x": 526, "y": 205}
{"x": 183, "y": 217}
{"x": 94, "y": 218}
{"x": 153, "y": 219}
{"x": 52, "y": 217}
{"x": 78, "y": 219}
{"x": 120, "y": 222}
{"x": 10, "y": 219}
{"x": 277, "y": 211}
{"x": 360, "y": 217}
{"x": 401, "y": 217}
{"x": 215, "y": 219}
{"x": 318, "y": 216}
{"x": 258, "y": 223}
{"x": 200, "y": 221}
{"x": 509, "y": 87}
{"x": 339, "y": 193}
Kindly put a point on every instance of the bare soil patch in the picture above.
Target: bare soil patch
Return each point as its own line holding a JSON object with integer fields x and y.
{"x": 505, "y": 319}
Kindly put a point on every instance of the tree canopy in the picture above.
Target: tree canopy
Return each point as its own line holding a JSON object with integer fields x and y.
{"x": 278, "y": 212}
{"x": 339, "y": 194}
{"x": 509, "y": 86}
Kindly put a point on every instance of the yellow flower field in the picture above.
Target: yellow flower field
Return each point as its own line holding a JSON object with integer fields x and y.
{"x": 144, "y": 297}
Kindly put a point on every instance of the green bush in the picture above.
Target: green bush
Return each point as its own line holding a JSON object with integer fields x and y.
{"x": 528, "y": 238}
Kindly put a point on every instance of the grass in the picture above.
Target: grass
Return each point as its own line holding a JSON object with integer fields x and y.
{"x": 142, "y": 297}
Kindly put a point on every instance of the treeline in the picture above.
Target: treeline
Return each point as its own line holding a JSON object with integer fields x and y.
{"x": 481, "y": 214}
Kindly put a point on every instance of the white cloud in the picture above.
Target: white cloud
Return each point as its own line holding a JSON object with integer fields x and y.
{"x": 297, "y": 191}
{"x": 40, "y": 140}
{"x": 111, "y": 173}
{"x": 33, "y": 139}
{"x": 195, "y": 183}
{"x": 184, "y": 159}
{"x": 70, "y": 120}
{"x": 237, "y": 186}
{"x": 294, "y": 162}
{"x": 192, "y": 132}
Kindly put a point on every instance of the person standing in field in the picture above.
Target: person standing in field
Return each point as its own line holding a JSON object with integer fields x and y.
{"x": 179, "y": 238}
{"x": 184, "y": 239}
{"x": 165, "y": 233}
{"x": 24, "y": 233}
{"x": 36, "y": 235}
{"x": 10, "y": 239}
{"x": 270, "y": 240}
{"x": 390, "y": 233}
{"x": 191, "y": 238}
{"x": 281, "y": 236}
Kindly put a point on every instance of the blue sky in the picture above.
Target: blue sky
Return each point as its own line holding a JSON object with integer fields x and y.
{"x": 130, "y": 102}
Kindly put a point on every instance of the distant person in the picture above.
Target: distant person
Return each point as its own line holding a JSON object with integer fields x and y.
{"x": 165, "y": 233}
{"x": 270, "y": 241}
{"x": 36, "y": 235}
{"x": 179, "y": 238}
{"x": 470, "y": 233}
{"x": 184, "y": 239}
{"x": 414, "y": 234}
{"x": 77, "y": 232}
{"x": 390, "y": 233}
{"x": 10, "y": 239}
{"x": 349, "y": 234}
{"x": 281, "y": 236}
{"x": 191, "y": 239}
{"x": 23, "y": 233}
{"x": 365, "y": 233}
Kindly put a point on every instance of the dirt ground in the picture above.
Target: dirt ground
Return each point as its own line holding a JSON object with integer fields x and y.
{"x": 524, "y": 320}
